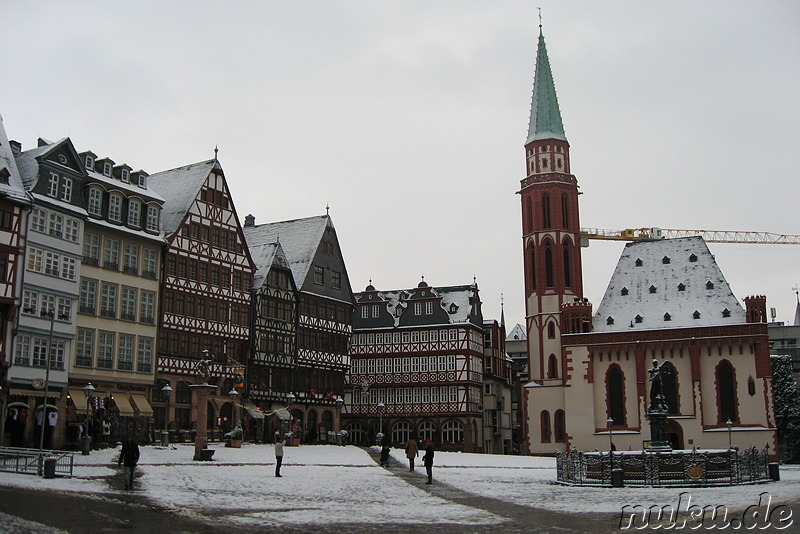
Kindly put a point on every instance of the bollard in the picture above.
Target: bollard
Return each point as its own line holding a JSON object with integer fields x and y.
{"x": 49, "y": 470}
{"x": 617, "y": 478}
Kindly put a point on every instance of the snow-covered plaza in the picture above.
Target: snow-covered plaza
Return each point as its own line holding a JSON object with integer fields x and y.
{"x": 344, "y": 485}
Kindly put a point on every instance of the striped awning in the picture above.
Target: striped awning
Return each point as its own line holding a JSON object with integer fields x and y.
{"x": 78, "y": 399}
{"x": 141, "y": 403}
{"x": 123, "y": 405}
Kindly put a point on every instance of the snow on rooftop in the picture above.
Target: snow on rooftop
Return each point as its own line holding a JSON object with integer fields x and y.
{"x": 179, "y": 187}
{"x": 674, "y": 278}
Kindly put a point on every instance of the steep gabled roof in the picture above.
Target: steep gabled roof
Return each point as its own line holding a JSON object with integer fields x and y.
{"x": 545, "y": 121}
{"x": 679, "y": 277}
{"x": 28, "y": 162}
{"x": 517, "y": 334}
{"x": 299, "y": 238}
{"x": 266, "y": 256}
{"x": 179, "y": 187}
{"x": 14, "y": 189}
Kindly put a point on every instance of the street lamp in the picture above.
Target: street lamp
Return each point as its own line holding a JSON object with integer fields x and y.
{"x": 381, "y": 408}
{"x": 610, "y": 424}
{"x": 46, "y": 314}
{"x": 166, "y": 391}
{"x": 88, "y": 390}
{"x": 729, "y": 424}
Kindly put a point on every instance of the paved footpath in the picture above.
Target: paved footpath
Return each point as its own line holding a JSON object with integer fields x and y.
{"x": 132, "y": 512}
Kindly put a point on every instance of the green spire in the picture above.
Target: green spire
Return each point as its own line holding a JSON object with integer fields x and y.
{"x": 545, "y": 120}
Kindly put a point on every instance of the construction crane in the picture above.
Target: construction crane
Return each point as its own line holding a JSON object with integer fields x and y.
{"x": 710, "y": 236}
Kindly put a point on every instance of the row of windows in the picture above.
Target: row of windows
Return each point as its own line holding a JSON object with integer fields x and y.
{"x": 191, "y": 306}
{"x": 52, "y": 264}
{"x": 31, "y": 350}
{"x": 114, "y": 299}
{"x": 319, "y": 277}
{"x": 560, "y": 423}
{"x": 213, "y": 196}
{"x": 108, "y": 350}
{"x": 59, "y": 187}
{"x": 412, "y": 336}
{"x": 667, "y": 317}
{"x": 55, "y": 225}
{"x": 218, "y": 237}
{"x": 324, "y": 309}
{"x": 131, "y": 253}
{"x": 402, "y": 431}
{"x": 420, "y": 364}
{"x": 276, "y": 308}
{"x": 405, "y": 395}
{"x": 653, "y": 289}
{"x": 191, "y": 345}
{"x": 666, "y": 260}
{"x": 322, "y": 340}
{"x": 107, "y": 170}
{"x": 216, "y": 275}
{"x": 120, "y": 209}
{"x": 34, "y": 303}
{"x": 549, "y": 270}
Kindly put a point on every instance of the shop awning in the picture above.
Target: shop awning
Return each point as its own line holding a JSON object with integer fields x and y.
{"x": 141, "y": 403}
{"x": 78, "y": 399}
{"x": 123, "y": 405}
{"x": 281, "y": 412}
{"x": 253, "y": 410}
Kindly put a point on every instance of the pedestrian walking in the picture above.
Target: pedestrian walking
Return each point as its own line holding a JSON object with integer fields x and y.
{"x": 279, "y": 442}
{"x": 128, "y": 458}
{"x": 386, "y": 447}
{"x": 412, "y": 451}
{"x": 428, "y": 460}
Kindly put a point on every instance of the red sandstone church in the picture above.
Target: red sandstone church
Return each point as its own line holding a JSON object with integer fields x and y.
{"x": 667, "y": 301}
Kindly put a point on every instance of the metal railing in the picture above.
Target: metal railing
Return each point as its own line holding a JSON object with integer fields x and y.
{"x": 659, "y": 468}
{"x": 31, "y": 461}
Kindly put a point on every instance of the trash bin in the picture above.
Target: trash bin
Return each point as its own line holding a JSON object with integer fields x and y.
{"x": 774, "y": 471}
{"x": 49, "y": 470}
{"x": 617, "y": 478}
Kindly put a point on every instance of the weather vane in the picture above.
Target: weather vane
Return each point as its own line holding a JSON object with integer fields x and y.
{"x": 540, "y": 16}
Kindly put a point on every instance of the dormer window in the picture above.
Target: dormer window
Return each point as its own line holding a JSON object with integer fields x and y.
{"x": 152, "y": 218}
{"x": 453, "y": 308}
{"x": 696, "y": 314}
{"x": 609, "y": 320}
{"x": 693, "y": 258}
{"x": 638, "y": 319}
{"x": 89, "y": 162}
{"x": 665, "y": 260}
{"x": 115, "y": 207}
{"x": 653, "y": 289}
{"x": 709, "y": 285}
{"x": 95, "y": 206}
{"x": 4, "y": 176}
{"x": 726, "y": 312}
{"x": 134, "y": 213}
{"x": 53, "y": 185}
{"x": 62, "y": 159}
{"x": 667, "y": 317}
{"x": 107, "y": 169}
{"x": 429, "y": 308}
{"x": 624, "y": 291}
{"x": 638, "y": 262}
{"x": 143, "y": 181}
{"x": 125, "y": 176}
{"x": 66, "y": 190}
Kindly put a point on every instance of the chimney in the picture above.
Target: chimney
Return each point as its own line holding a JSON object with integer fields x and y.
{"x": 249, "y": 221}
{"x": 16, "y": 147}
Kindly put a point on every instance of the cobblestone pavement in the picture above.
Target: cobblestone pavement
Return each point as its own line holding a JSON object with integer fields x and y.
{"x": 132, "y": 512}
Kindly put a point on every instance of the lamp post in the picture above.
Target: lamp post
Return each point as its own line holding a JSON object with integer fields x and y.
{"x": 234, "y": 395}
{"x": 88, "y": 390}
{"x": 381, "y": 408}
{"x": 286, "y": 425}
{"x": 729, "y": 424}
{"x": 166, "y": 391}
{"x": 610, "y": 424}
{"x": 46, "y": 314}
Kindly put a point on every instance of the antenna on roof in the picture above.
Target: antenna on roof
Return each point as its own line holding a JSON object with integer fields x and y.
{"x": 327, "y": 210}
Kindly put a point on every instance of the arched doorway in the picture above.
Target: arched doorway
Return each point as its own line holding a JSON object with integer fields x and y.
{"x": 674, "y": 434}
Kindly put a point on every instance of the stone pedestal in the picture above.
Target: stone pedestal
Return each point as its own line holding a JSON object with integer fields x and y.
{"x": 658, "y": 428}
{"x": 200, "y": 393}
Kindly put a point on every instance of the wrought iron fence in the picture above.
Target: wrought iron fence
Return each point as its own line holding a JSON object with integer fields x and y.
{"x": 665, "y": 468}
{"x": 30, "y": 461}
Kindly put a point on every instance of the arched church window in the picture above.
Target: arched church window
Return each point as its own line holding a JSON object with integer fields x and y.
{"x": 669, "y": 387}
{"x": 615, "y": 395}
{"x": 726, "y": 392}
{"x": 533, "y": 270}
{"x": 545, "y": 420}
{"x": 560, "y": 424}
{"x": 546, "y": 210}
{"x": 751, "y": 386}
{"x": 567, "y": 270}
{"x": 548, "y": 266}
{"x": 552, "y": 366}
{"x": 564, "y": 211}
{"x": 551, "y": 330}
{"x": 528, "y": 214}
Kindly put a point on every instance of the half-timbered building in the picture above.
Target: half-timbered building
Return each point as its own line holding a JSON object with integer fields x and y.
{"x": 14, "y": 202}
{"x": 272, "y": 364}
{"x": 53, "y": 174}
{"x": 115, "y": 340}
{"x": 417, "y": 366}
{"x": 324, "y": 319}
{"x": 207, "y": 280}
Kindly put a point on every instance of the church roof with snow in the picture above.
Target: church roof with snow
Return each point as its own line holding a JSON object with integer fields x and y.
{"x": 517, "y": 333}
{"x": 667, "y": 283}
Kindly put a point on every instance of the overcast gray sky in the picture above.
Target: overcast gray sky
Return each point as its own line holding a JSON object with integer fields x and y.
{"x": 408, "y": 118}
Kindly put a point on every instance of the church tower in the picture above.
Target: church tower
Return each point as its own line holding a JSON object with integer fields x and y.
{"x": 550, "y": 227}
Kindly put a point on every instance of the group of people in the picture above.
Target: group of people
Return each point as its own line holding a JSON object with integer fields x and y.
{"x": 412, "y": 452}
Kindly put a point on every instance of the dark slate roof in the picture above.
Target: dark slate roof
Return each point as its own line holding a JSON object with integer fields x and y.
{"x": 14, "y": 190}
{"x": 265, "y": 256}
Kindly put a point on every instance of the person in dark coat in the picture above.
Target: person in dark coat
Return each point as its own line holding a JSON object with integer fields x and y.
{"x": 386, "y": 447}
{"x": 428, "y": 460}
{"x": 128, "y": 457}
